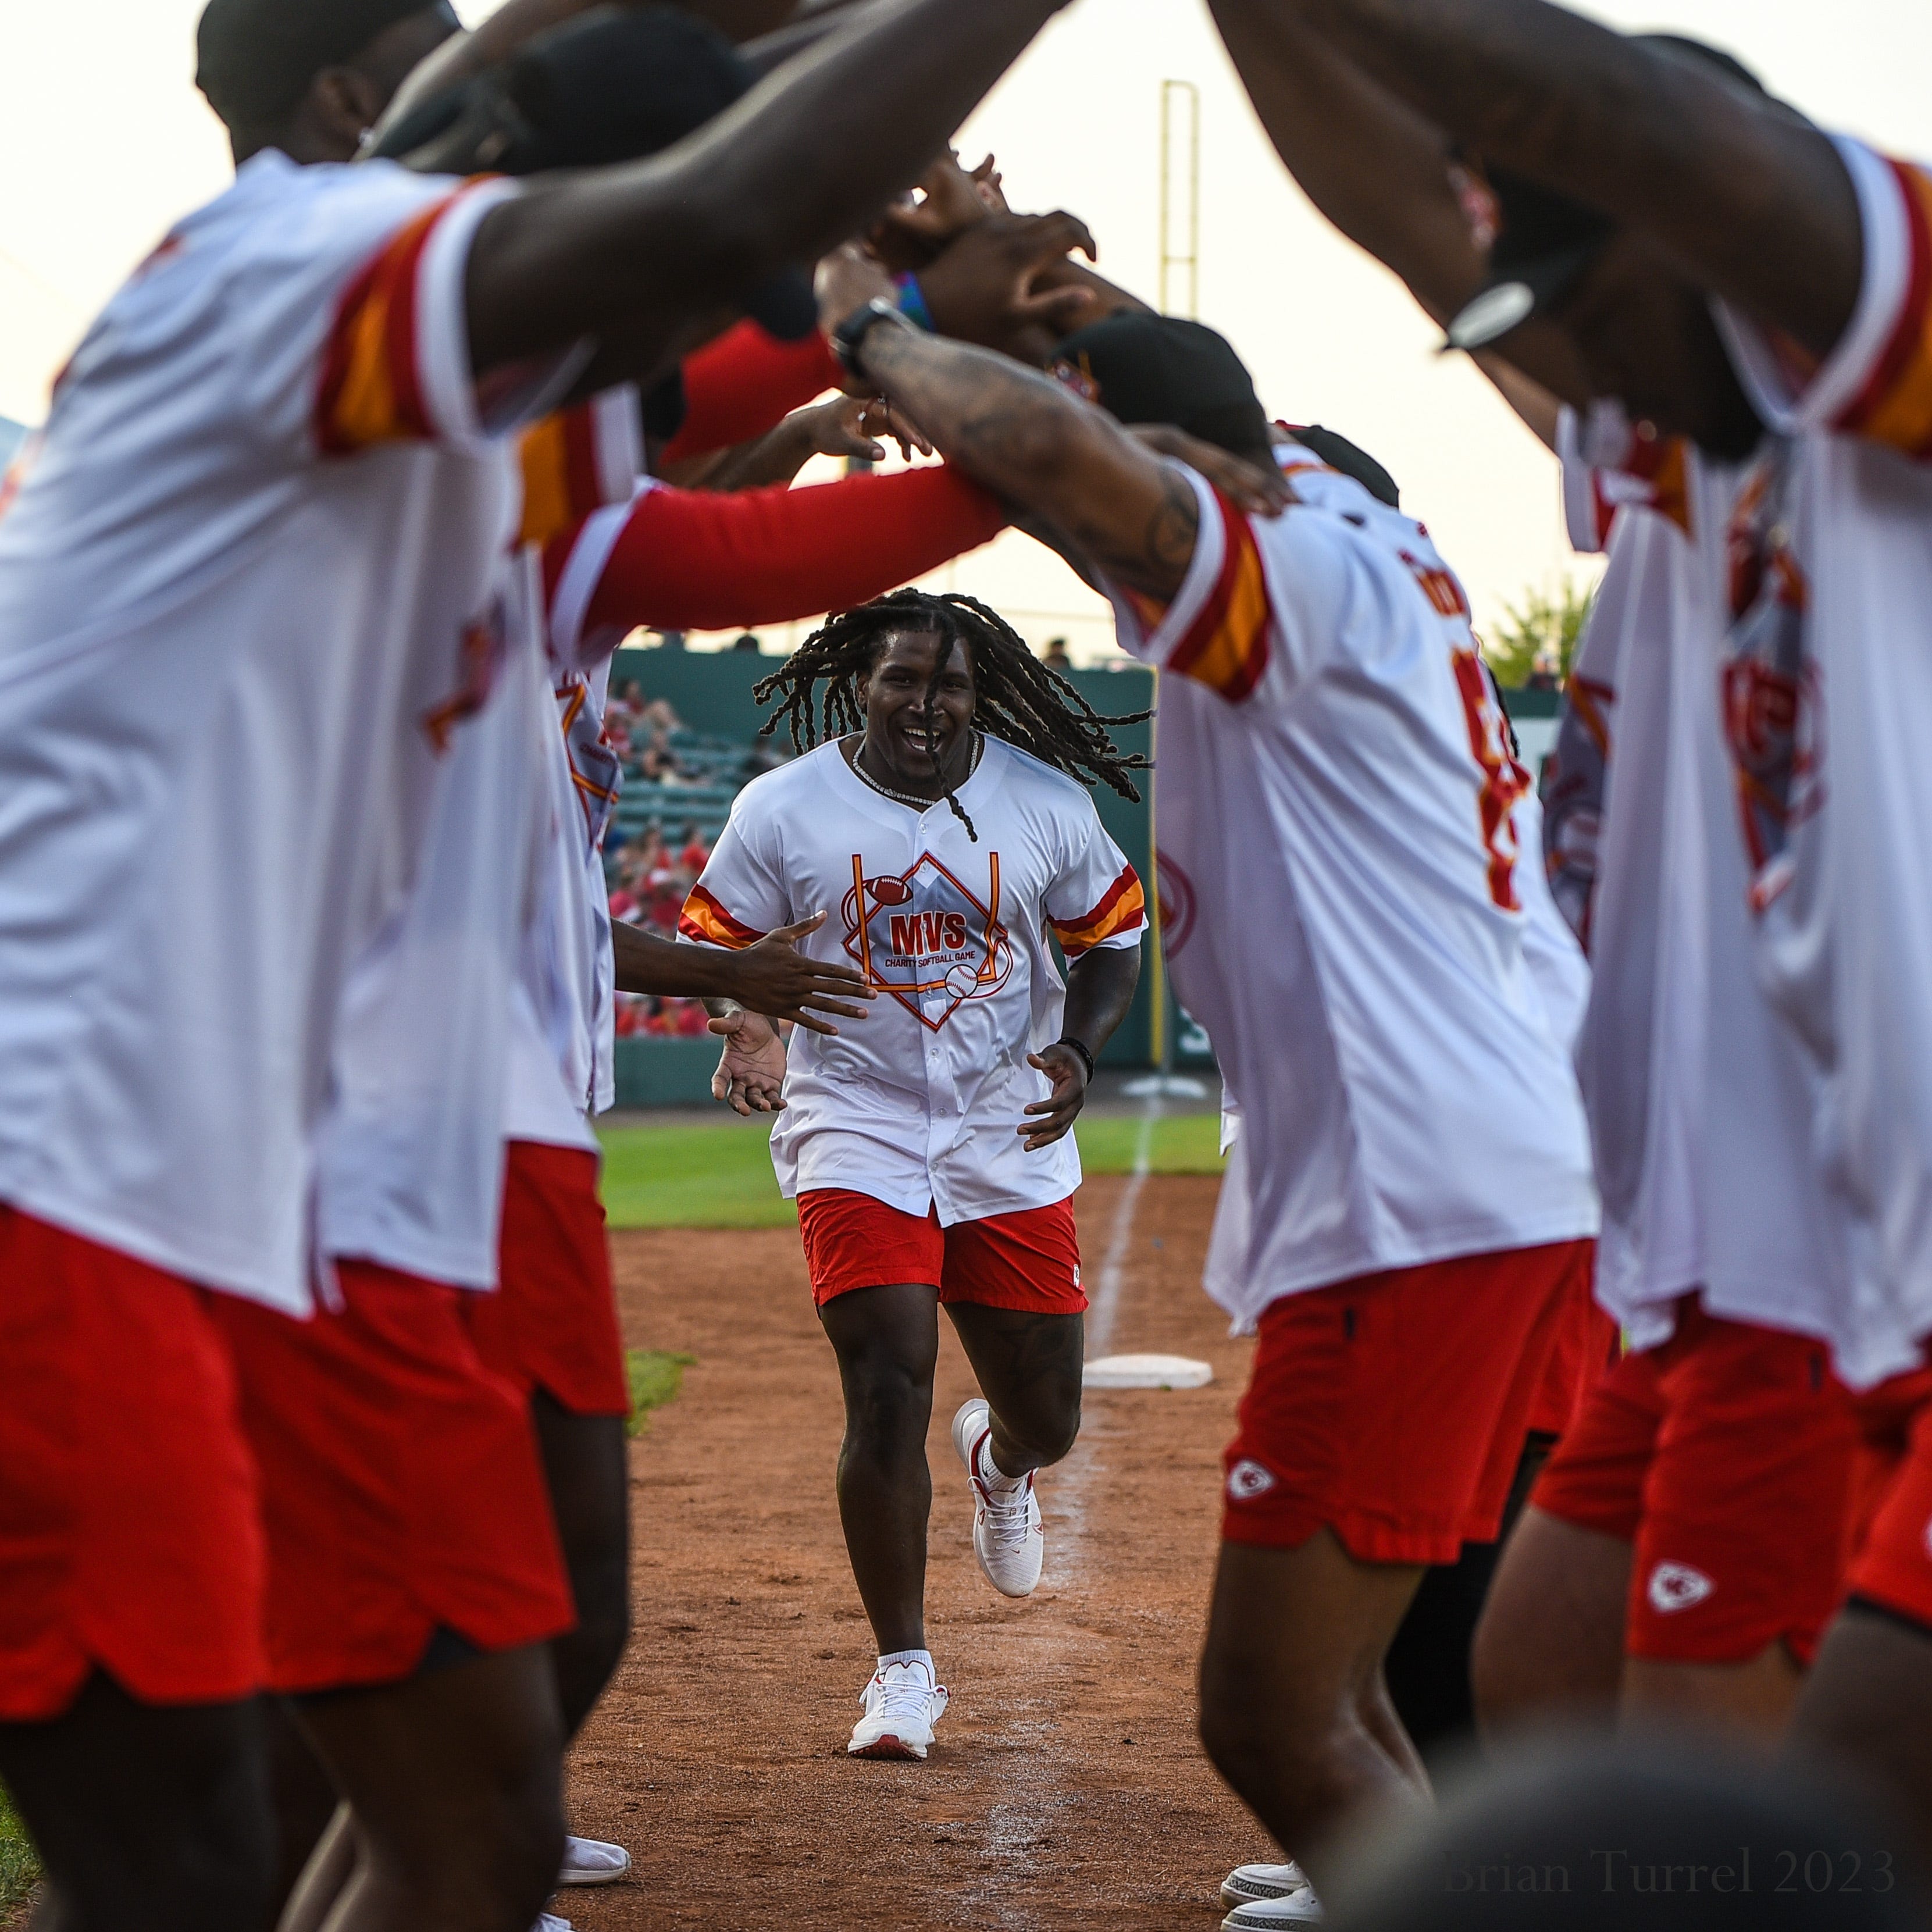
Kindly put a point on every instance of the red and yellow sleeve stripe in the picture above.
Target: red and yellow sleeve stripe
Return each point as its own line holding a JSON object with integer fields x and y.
{"x": 1226, "y": 647}
{"x": 1124, "y": 909}
{"x": 561, "y": 485}
{"x": 1895, "y": 405}
{"x": 704, "y": 919}
{"x": 372, "y": 389}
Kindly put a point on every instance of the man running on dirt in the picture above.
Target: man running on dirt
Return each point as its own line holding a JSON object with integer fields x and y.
{"x": 949, "y": 826}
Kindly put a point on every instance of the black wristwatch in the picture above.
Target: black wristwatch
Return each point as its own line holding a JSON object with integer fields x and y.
{"x": 1079, "y": 1047}
{"x": 857, "y": 326}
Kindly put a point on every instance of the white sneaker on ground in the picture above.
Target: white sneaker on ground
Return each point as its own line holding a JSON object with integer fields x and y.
{"x": 1264, "y": 1897}
{"x": 591, "y": 1861}
{"x": 1006, "y": 1534}
{"x": 902, "y": 1704}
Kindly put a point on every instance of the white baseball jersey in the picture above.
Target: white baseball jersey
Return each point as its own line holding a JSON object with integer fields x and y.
{"x": 1561, "y": 976}
{"x": 919, "y": 1103}
{"x": 464, "y": 1022}
{"x": 1343, "y": 910}
{"x": 246, "y": 603}
{"x": 1699, "y": 1110}
{"x": 439, "y": 1056}
{"x": 1828, "y": 691}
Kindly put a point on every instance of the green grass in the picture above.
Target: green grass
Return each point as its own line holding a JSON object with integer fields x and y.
{"x": 718, "y": 1175}
{"x": 655, "y": 1379}
{"x": 20, "y": 1870}
{"x": 1182, "y": 1144}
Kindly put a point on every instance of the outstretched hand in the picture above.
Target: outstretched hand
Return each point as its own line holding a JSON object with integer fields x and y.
{"x": 1261, "y": 493}
{"x": 981, "y": 289}
{"x": 751, "y": 1070}
{"x": 951, "y": 199}
{"x": 1061, "y": 1109}
{"x": 776, "y": 981}
{"x": 849, "y": 426}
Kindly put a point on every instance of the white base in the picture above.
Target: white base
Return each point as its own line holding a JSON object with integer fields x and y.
{"x": 1166, "y": 1087}
{"x": 1146, "y": 1372}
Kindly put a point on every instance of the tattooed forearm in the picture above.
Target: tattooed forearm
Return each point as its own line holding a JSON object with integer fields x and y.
{"x": 1044, "y": 450}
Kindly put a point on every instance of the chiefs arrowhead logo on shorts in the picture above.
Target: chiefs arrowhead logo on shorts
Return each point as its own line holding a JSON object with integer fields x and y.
{"x": 1676, "y": 1586}
{"x": 1248, "y": 1480}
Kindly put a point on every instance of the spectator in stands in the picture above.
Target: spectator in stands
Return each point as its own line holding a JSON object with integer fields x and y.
{"x": 696, "y": 853}
{"x": 746, "y": 640}
{"x": 1055, "y": 657}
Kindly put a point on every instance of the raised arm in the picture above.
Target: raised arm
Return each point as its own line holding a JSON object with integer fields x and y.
{"x": 1750, "y": 197}
{"x": 802, "y": 162}
{"x": 506, "y": 30}
{"x": 1037, "y": 445}
{"x": 1367, "y": 159}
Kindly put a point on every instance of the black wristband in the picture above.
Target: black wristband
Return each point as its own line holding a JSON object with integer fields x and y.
{"x": 1086, "y": 1058}
{"x": 850, "y": 333}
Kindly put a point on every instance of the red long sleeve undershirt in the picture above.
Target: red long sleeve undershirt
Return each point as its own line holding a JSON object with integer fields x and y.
{"x": 742, "y": 384}
{"x": 689, "y": 560}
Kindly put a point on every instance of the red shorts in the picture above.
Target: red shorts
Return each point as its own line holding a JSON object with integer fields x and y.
{"x": 1892, "y": 1567}
{"x": 131, "y": 1536}
{"x": 1725, "y": 1456}
{"x": 1392, "y": 1408}
{"x": 402, "y": 1492}
{"x": 1587, "y": 1347}
{"x": 1029, "y": 1260}
{"x": 552, "y": 1324}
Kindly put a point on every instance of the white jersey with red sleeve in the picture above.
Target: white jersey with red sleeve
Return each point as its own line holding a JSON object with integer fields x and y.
{"x": 1829, "y": 703}
{"x": 1343, "y": 913}
{"x": 919, "y": 1103}
{"x": 248, "y": 600}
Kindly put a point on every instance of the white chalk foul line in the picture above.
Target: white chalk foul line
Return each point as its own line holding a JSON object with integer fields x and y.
{"x": 1104, "y": 1303}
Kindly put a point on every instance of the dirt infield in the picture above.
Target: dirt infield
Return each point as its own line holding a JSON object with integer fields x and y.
{"x": 1066, "y": 1779}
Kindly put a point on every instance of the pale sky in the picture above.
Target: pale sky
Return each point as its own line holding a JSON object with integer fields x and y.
{"x": 103, "y": 141}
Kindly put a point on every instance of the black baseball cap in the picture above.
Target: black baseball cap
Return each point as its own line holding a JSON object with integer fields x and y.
{"x": 1545, "y": 238}
{"x": 1147, "y": 368}
{"x": 255, "y": 58}
{"x": 613, "y": 85}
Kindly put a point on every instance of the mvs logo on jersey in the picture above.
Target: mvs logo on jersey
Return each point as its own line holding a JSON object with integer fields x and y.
{"x": 926, "y": 938}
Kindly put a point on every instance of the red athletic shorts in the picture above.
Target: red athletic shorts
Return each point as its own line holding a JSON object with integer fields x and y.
{"x": 1392, "y": 1408}
{"x": 1030, "y": 1259}
{"x": 1725, "y": 1456}
{"x": 402, "y": 1492}
{"x": 131, "y": 1536}
{"x": 552, "y": 1324}
{"x": 1892, "y": 1567}
{"x": 1587, "y": 1346}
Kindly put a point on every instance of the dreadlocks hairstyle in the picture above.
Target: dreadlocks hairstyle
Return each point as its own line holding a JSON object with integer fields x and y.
{"x": 1018, "y": 698}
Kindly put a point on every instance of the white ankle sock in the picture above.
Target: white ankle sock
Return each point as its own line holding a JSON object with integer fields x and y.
{"x": 924, "y": 1657}
{"x": 989, "y": 1471}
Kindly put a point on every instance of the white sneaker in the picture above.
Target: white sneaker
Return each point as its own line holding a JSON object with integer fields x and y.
{"x": 1006, "y": 1535}
{"x": 902, "y": 1704}
{"x": 1265, "y": 1896}
{"x": 591, "y": 1861}
{"x": 550, "y": 1922}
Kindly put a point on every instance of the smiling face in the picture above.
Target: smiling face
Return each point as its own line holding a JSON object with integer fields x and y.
{"x": 919, "y": 699}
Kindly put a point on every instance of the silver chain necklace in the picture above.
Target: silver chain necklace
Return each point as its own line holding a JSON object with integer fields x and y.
{"x": 907, "y": 798}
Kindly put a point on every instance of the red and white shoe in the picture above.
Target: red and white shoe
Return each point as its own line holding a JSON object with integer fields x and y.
{"x": 902, "y": 1704}
{"x": 1006, "y": 1535}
